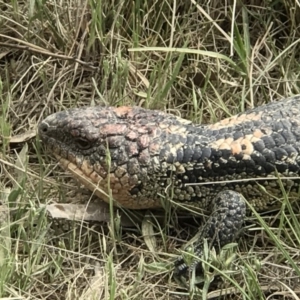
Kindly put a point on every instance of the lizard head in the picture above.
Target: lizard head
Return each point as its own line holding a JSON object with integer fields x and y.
{"x": 107, "y": 149}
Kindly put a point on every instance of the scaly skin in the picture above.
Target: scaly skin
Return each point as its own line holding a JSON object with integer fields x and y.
{"x": 148, "y": 157}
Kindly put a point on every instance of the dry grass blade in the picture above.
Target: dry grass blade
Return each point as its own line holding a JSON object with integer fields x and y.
{"x": 5, "y": 239}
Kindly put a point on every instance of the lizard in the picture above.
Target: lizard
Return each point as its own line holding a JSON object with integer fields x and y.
{"x": 140, "y": 158}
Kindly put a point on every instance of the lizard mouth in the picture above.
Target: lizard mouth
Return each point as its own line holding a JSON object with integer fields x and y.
{"x": 108, "y": 186}
{"x": 79, "y": 168}
{"x": 107, "y": 189}
{"x": 94, "y": 184}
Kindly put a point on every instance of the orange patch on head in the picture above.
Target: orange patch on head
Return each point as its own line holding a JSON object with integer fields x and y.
{"x": 122, "y": 110}
{"x": 117, "y": 129}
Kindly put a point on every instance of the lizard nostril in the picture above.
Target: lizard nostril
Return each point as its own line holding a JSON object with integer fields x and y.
{"x": 43, "y": 128}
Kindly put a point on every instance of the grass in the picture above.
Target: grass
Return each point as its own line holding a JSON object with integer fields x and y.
{"x": 203, "y": 61}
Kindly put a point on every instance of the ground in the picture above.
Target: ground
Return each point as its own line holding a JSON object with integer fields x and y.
{"x": 204, "y": 61}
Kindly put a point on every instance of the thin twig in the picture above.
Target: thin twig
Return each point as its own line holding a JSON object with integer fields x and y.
{"x": 42, "y": 51}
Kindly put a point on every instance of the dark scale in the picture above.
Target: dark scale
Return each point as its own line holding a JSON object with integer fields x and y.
{"x": 249, "y": 165}
{"x": 259, "y": 146}
{"x": 269, "y": 155}
{"x": 280, "y": 153}
{"x": 238, "y": 134}
{"x": 111, "y": 167}
{"x": 197, "y": 154}
{"x": 258, "y": 158}
{"x": 288, "y": 136}
{"x": 226, "y": 154}
{"x": 136, "y": 190}
{"x": 133, "y": 166}
{"x": 268, "y": 141}
{"x": 216, "y": 154}
{"x": 240, "y": 166}
{"x": 190, "y": 139}
{"x": 239, "y": 156}
{"x": 278, "y": 139}
{"x": 294, "y": 168}
{"x": 260, "y": 171}
{"x": 248, "y": 131}
{"x": 188, "y": 153}
{"x": 180, "y": 154}
{"x": 206, "y": 153}
{"x": 290, "y": 150}
{"x": 188, "y": 177}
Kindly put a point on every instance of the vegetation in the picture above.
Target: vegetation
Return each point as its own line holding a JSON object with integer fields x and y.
{"x": 202, "y": 60}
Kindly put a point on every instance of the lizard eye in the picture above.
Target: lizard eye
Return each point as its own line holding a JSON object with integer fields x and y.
{"x": 83, "y": 144}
